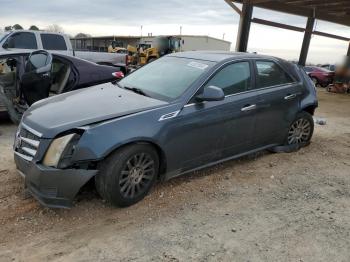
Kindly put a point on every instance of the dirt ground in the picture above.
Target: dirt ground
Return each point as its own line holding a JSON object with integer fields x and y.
{"x": 265, "y": 207}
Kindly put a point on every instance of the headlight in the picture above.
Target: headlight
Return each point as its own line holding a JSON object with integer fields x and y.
{"x": 60, "y": 151}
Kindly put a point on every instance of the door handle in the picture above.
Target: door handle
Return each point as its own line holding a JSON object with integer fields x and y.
{"x": 289, "y": 97}
{"x": 248, "y": 108}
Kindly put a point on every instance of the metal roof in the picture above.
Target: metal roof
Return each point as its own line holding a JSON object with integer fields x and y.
{"x": 335, "y": 11}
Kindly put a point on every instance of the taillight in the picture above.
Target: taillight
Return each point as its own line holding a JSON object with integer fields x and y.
{"x": 118, "y": 74}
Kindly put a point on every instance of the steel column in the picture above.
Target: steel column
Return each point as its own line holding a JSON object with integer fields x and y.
{"x": 244, "y": 27}
{"x": 307, "y": 39}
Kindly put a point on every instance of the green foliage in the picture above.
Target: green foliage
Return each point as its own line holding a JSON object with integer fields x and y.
{"x": 17, "y": 27}
{"x": 34, "y": 27}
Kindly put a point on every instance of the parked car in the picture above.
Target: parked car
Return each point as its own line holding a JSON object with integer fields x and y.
{"x": 320, "y": 76}
{"x": 26, "y": 78}
{"x": 329, "y": 67}
{"x": 27, "y": 41}
{"x": 155, "y": 124}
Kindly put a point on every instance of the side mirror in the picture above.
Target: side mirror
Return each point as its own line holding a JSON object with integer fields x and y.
{"x": 39, "y": 62}
{"x": 5, "y": 45}
{"x": 211, "y": 93}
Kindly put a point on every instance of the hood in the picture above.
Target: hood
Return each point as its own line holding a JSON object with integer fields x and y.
{"x": 85, "y": 106}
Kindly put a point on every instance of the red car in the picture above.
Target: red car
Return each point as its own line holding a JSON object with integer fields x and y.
{"x": 320, "y": 76}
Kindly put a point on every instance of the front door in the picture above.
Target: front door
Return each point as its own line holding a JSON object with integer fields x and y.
{"x": 21, "y": 42}
{"x": 210, "y": 131}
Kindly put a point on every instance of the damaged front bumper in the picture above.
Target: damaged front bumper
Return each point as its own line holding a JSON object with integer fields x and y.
{"x": 54, "y": 188}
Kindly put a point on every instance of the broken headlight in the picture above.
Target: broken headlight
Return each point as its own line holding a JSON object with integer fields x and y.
{"x": 60, "y": 151}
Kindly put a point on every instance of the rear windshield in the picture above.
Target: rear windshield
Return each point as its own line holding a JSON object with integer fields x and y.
{"x": 166, "y": 78}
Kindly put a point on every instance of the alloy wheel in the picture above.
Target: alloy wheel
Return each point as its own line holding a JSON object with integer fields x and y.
{"x": 299, "y": 132}
{"x": 137, "y": 174}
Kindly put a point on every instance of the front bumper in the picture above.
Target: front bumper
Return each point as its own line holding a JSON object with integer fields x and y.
{"x": 55, "y": 188}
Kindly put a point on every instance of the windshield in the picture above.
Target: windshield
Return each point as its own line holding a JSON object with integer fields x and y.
{"x": 2, "y": 36}
{"x": 166, "y": 78}
{"x": 323, "y": 69}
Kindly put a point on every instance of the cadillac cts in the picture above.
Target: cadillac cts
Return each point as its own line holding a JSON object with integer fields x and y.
{"x": 180, "y": 113}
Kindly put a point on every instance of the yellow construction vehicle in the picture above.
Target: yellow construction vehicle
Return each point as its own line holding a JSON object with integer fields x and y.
{"x": 115, "y": 47}
{"x": 163, "y": 45}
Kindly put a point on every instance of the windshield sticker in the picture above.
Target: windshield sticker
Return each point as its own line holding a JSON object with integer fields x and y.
{"x": 198, "y": 65}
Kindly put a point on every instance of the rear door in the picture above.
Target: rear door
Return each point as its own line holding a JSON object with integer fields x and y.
{"x": 54, "y": 43}
{"x": 278, "y": 104}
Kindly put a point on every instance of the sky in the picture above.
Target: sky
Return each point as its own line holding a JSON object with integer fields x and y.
{"x": 165, "y": 17}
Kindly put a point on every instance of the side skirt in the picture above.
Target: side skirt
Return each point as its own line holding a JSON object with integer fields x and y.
{"x": 177, "y": 173}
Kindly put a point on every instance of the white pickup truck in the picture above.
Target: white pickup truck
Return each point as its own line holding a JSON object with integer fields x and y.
{"x": 26, "y": 40}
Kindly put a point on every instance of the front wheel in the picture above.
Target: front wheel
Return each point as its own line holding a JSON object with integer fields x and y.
{"x": 126, "y": 176}
{"x": 301, "y": 130}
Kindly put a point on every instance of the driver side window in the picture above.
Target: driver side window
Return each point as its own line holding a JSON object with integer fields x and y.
{"x": 232, "y": 79}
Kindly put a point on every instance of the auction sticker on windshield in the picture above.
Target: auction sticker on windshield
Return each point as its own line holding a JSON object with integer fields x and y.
{"x": 197, "y": 65}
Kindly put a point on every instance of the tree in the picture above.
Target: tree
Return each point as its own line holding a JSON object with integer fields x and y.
{"x": 8, "y": 28}
{"x": 82, "y": 35}
{"x": 17, "y": 27}
{"x": 55, "y": 28}
{"x": 34, "y": 27}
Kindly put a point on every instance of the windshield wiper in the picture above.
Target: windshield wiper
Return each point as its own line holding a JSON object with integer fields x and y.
{"x": 136, "y": 90}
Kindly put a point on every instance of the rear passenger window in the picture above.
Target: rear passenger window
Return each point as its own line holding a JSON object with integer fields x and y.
{"x": 53, "y": 42}
{"x": 22, "y": 40}
{"x": 232, "y": 79}
{"x": 271, "y": 74}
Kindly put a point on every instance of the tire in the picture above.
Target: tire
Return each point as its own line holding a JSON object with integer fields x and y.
{"x": 151, "y": 60}
{"x": 301, "y": 130}
{"x": 127, "y": 175}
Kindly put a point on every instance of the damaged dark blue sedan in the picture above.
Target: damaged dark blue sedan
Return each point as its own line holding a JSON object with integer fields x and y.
{"x": 177, "y": 114}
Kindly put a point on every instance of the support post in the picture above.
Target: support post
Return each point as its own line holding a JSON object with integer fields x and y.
{"x": 306, "y": 41}
{"x": 244, "y": 27}
{"x": 348, "y": 50}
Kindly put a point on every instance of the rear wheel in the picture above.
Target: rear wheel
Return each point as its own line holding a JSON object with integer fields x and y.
{"x": 127, "y": 175}
{"x": 301, "y": 130}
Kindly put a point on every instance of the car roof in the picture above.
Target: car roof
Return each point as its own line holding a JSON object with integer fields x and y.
{"x": 218, "y": 56}
{"x": 27, "y": 53}
{"x": 33, "y": 31}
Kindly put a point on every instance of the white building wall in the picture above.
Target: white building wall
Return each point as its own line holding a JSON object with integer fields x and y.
{"x": 195, "y": 43}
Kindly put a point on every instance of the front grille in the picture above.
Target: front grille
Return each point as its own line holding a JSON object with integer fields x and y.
{"x": 27, "y": 142}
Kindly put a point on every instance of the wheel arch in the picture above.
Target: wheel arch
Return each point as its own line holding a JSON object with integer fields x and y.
{"x": 309, "y": 109}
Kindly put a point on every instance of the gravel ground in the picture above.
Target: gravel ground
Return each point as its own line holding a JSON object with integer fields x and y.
{"x": 265, "y": 207}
